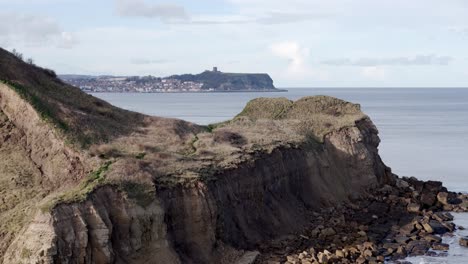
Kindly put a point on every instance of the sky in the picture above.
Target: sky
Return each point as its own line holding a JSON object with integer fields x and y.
{"x": 300, "y": 43}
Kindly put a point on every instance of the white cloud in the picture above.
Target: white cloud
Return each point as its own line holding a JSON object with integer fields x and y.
{"x": 139, "y": 8}
{"x": 295, "y": 54}
{"x": 67, "y": 40}
{"x": 420, "y": 60}
{"x": 140, "y": 61}
{"x": 28, "y": 28}
{"x": 32, "y": 30}
{"x": 375, "y": 73}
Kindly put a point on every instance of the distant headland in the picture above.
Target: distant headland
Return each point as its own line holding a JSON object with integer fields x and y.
{"x": 207, "y": 81}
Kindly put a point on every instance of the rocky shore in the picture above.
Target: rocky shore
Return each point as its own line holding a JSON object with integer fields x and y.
{"x": 405, "y": 218}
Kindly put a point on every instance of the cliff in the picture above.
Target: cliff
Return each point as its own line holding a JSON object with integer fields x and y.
{"x": 157, "y": 190}
{"x": 220, "y": 81}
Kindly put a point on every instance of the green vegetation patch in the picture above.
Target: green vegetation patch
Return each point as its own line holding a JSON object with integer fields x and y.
{"x": 140, "y": 156}
{"x": 80, "y": 193}
{"x": 26, "y": 253}
{"x": 267, "y": 108}
{"x": 142, "y": 194}
{"x": 212, "y": 127}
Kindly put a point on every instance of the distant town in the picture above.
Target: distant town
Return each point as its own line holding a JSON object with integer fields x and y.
{"x": 208, "y": 81}
{"x": 147, "y": 84}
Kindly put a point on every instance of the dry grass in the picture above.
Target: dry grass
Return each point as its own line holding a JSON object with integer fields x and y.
{"x": 177, "y": 152}
{"x": 20, "y": 181}
{"x": 313, "y": 116}
{"x": 82, "y": 118}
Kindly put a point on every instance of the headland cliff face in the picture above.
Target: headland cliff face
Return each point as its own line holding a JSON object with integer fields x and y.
{"x": 220, "y": 81}
{"x": 159, "y": 190}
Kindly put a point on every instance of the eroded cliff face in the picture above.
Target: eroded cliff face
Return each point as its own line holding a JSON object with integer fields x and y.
{"x": 140, "y": 189}
{"x": 57, "y": 162}
{"x": 34, "y": 162}
{"x": 105, "y": 229}
{"x": 274, "y": 195}
{"x": 214, "y": 221}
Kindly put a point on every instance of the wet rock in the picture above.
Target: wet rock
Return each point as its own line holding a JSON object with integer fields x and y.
{"x": 386, "y": 189}
{"x": 464, "y": 241}
{"x": 432, "y": 238}
{"x": 322, "y": 258}
{"x": 428, "y": 228}
{"x": 340, "y": 254}
{"x": 449, "y": 226}
{"x": 249, "y": 257}
{"x": 442, "y": 216}
{"x": 413, "y": 208}
{"x": 367, "y": 253}
{"x": 328, "y": 232}
{"x": 361, "y": 260}
{"x": 292, "y": 260}
{"x": 430, "y": 191}
{"x": 391, "y": 247}
{"x": 402, "y": 184}
{"x": 434, "y": 187}
{"x": 407, "y": 229}
{"x": 440, "y": 246}
{"x": 464, "y": 205}
{"x": 417, "y": 247}
{"x": 438, "y": 228}
{"x": 402, "y": 239}
{"x": 369, "y": 245}
{"x": 418, "y": 226}
{"x": 442, "y": 197}
{"x": 428, "y": 199}
{"x": 400, "y": 253}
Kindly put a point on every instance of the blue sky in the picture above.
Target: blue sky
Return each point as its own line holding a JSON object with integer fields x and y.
{"x": 303, "y": 43}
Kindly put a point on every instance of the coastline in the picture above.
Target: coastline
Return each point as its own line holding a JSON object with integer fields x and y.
{"x": 192, "y": 92}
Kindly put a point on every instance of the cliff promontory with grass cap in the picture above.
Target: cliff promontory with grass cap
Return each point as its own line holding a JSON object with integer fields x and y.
{"x": 82, "y": 181}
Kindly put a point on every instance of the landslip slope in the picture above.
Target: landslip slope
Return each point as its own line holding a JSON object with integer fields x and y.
{"x": 112, "y": 186}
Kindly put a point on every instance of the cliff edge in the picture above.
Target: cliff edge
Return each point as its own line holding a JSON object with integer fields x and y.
{"x": 82, "y": 181}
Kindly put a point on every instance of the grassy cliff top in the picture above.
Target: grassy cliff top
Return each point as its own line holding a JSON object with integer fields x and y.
{"x": 313, "y": 116}
{"x": 265, "y": 124}
{"x": 143, "y": 150}
{"x": 82, "y": 118}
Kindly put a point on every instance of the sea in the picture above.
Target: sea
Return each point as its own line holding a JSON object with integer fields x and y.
{"x": 423, "y": 131}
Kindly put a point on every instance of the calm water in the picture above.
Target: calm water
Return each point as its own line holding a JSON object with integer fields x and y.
{"x": 424, "y": 132}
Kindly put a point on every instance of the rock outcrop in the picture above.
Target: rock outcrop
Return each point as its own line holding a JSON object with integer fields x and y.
{"x": 167, "y": 191}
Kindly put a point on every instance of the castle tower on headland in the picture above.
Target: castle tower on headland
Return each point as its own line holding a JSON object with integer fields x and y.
{"x": 215, "y": 69}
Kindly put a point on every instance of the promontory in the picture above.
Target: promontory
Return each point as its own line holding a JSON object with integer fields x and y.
{"x": 82, "y": 181}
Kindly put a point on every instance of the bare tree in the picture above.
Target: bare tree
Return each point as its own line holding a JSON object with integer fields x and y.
{"x": 17, "y": 54}
{"x": 30, "y": 61}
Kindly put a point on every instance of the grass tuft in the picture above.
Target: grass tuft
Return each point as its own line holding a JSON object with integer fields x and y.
{"x": 80, "y": 193}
